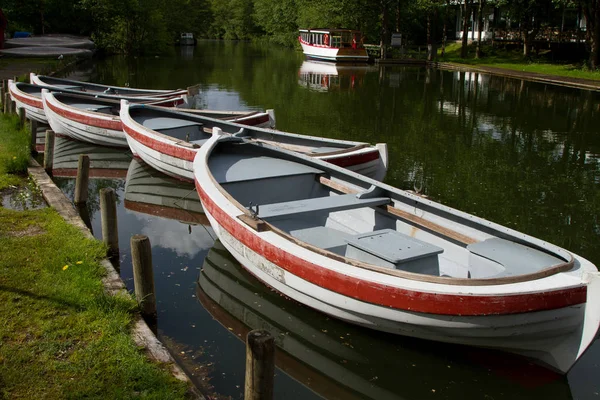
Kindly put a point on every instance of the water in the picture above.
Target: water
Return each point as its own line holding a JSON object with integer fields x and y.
{"x": 522, "y": 154}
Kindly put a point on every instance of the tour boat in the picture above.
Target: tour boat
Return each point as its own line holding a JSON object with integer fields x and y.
{"x": 96, "y": 88}
{"x": 151, "y": 192}
{"x": 29, "y": 97}
{"x": 380, "y": 257}
{"x": 168, "y": 141}
{"x": 105, "y": 162}
{"x": 333, "y": 45}
{"x": 97, "y": 120}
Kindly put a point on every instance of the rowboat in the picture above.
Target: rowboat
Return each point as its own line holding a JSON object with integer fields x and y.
{"x": 29, "y": 97}
{"x": 337, "y": 45}
{"x": 380, "y": 257}
{"x": 340, "y": 361}
{"x": 105, "y": 162}
{"x": 151, "y": 192}
{"x": 96, "y": 88}
{"x": 168, "y": 140}
{"x": 97, "y": 120}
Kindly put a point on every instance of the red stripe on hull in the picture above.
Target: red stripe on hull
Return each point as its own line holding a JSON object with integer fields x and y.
{"x": 163, "y": 148}
{"x": 389, "y": 296}
{"x": 30, "y": 101}
{"x": 86, "y": 119}
{"x": 254, "y": 121}
{"x": 181, "y": 215}
{"x": 347, "y": 161}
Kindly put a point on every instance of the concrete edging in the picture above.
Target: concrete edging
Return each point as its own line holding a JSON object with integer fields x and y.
{"x": 113, "y": 284}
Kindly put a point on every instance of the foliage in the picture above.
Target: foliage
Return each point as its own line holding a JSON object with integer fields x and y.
{"x": 14, "y": 149}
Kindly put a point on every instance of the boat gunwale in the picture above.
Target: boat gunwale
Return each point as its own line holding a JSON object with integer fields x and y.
{"x": 553, "y": 270}
{"x": 34, "y": 78}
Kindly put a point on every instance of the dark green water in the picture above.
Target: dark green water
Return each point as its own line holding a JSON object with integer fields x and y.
{"x": 522, "y": 154}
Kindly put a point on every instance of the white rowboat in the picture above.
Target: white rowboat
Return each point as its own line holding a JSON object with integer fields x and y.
{"x": 168, "y": 140}
{"x": 380, "y": 257}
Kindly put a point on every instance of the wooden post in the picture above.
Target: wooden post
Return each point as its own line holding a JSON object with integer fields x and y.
{"x": 108, "y": 216}
{"x": 83, "y": 179}
{"x": 21, "y": 117}
{"x": 7, "y": 103}
{"x": 3, "y": 89}
{"x": 33, "y": 126}
{"x": 49, "y": 151}
{"x": 260, "y": 365}
{"x": 143, "y": 276}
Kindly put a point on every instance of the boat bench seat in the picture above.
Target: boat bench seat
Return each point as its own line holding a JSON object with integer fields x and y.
{"x": 507, "y": 258}
{"x": 163, "y": 123}
{"x": 319, "y": 204}
{"x": 385, "y": 248}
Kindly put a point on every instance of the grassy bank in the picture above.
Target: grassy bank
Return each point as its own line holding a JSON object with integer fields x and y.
{"x": 514, "y": 60}
{"x": 61, "y": 336}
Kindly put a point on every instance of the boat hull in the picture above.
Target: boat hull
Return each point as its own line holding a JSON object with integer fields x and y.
{"x": 33, "y": 105}
{"x": 548, "y": 321}
{"x": 333, "y": 54}
{"x": 86, "y": 126}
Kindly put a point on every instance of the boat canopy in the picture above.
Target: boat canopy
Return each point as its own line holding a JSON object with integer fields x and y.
{"x": 339, "y": 38}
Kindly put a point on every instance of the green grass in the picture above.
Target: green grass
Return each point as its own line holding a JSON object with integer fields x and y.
{"x": 14, "y": 151}
{"x": 514, "y": 60}
{"x": 61, "y": 336}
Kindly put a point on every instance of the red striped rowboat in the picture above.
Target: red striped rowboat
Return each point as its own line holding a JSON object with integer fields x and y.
{"x": 97, "y": 121}
{"x": 168, "y": 140}
{"x": 376, "y": 256}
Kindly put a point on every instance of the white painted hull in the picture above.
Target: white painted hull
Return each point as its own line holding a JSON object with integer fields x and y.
{"x": 334, "y": 54}
{"x": 82, "y": 125}
{"x": 174, "y": 157}
{"x": 34, "y": 109}
{"x": 555, "y": 337}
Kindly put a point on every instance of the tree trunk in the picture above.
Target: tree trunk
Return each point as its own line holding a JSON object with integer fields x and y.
{"x": 466, "y": 17}
{"x": 479, "y": 28}
{"x": 591, "y": 10}
{"x": 383, "y": 38}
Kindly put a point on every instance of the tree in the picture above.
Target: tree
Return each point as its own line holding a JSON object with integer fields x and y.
{"x": 591, "y": 11}
{"x": 466, "y": 18}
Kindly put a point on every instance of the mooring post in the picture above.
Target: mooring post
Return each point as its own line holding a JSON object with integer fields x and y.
{"x": 3, "y": 89}
{"x": 108, "y": 216}
{"x": 143, "y": 276}
{"x": 49, "y": 151}
{"x": 7, "y": 103}
{"x": 33, "y": 126}
{"x": 260, "y": 365}
{"x": 83, "y": 179}
{"x": 21, "y": 117}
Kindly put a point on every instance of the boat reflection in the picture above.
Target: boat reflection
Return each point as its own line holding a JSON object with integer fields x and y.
{"x": 105, "y": 162}
{"x": 323, "y": 76}
{"x": 149, "y": 191}
{"x": 341, "y": 361}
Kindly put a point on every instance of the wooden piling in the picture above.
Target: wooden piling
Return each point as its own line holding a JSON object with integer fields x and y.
{"x": 7, "y": 103}
{"x": 22, "y": 117}
{"x": 3, "y": 89}
{"x": 108, "y": 216}
{"x": 260, "y": 365}
{"x": 83, "y": 179}
{"x": 143, "y": 276}
{"x": 49, "y": 151}
{"x": 33, "y": 126}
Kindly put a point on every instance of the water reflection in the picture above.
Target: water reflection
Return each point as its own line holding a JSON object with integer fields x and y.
{"x": 105, "y": 162}
{"x": 323, "y": 76}
{"x": 340, "y": 361}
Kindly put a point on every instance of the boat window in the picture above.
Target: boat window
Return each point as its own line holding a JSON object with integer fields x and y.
{"x": 336, "y": 41}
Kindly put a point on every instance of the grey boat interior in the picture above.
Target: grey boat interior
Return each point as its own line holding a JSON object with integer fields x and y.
{"x": 61, "y": 83}
{"x": 290, "y": 194}
{"x": 197, "y": 129}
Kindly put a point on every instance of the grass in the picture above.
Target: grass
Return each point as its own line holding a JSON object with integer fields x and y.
{"x": 61, "y": 336}
{"x": 14, "y": 151}
{"x": 514, "y": 60}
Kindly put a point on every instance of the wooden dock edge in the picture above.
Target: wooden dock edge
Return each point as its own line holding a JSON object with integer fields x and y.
{"x": 113, "y": 284}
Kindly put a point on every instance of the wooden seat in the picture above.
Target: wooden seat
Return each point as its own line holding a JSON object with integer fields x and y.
{"x": 319, "y": 204}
